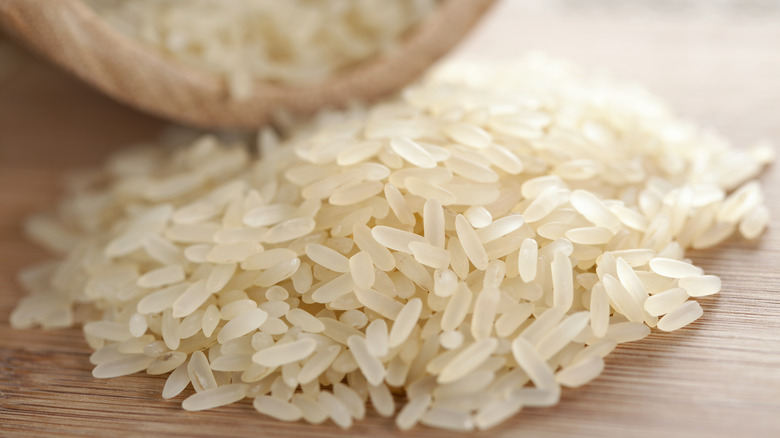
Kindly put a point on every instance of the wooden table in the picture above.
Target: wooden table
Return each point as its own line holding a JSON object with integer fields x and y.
{"x": 718, "y": 377}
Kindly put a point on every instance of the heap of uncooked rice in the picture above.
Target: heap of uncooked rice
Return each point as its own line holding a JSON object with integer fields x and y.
{"x": 475, "y": 244}
{"x": 289, "y": 41}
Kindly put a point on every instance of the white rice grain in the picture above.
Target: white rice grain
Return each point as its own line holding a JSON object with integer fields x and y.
{"x": 500, "y": 228}
{"x": 377, "y": 338}
{"x": 561, "y": 335}
{"x": 289, "y": 230}
{"x": 161, "y": 277}
{"x": 277, "y": 409}
{"x": 444, "y": 282}
{"x": 281, "y": 354}
{"x": 176, "y": 382}
{"x": 362, "y": 269}
{"x": 326, "y": 257}
{"x": 382, "y": 399}
{"x": 355, "y": 193}
{"x": 666, "y": 301}
{"x": 581, "y": 372}
{"x": 484, "y": 314}
{"x": 600, "y": 310}
{"x": 448, "y": 419}
{"x": 471, "y": 243}
{"x": 413, "y": 411}
{"x": 496, "y": 413}
{"x": 199, "y": 372}
{"x": 457, "y": 308}
{"x": 311, "y": 411}
{"x": 754, "y": 223}
{"x": 371, "y": 367}
{"x": 268, "y": 258}
{"x": 467, "y": 360}
{"x": 622, "y": 300}
{"x": 242, "y": 324}
{"x": 681, "y": 316}
{"x": 380, "y": 255}
{"x": 220, "y": 276}
{"x": 563, "y": 288}
{"x": 700, "y": 285}
{"x": 215, "y": 397}
{"x": 593, "y": 208}
{"x": 317, "y": 364}
{"x": 428, "y": 190}
{"x": 305, "y": 320}
{"x": 399, "y": 205}
{"x": 478, "y": 216}
{"x": 471, "y": 170}
{"x": 673, "y": 268}
{"x": 333, "y": 289}
{"x": 430, "y": 255}
{"x": 405, "y": 322}
{"x": 278, "y": 272}
{"x": 351, "y": 400}
{"x": 627, "y": 332}
{"x": 469, "y": 135}
{"x": 395, "y": 239}
{"x": 529, "y": 360}
{"x": 412, "y": 152}
{"x": 336, "y": 410}
{"x": 191, "y": 299}
{"x": 122, "y": 366}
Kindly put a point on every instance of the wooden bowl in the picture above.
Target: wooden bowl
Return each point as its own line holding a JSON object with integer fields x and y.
{"x": 72, "y": 35}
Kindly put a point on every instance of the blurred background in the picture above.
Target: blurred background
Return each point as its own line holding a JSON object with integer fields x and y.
{"x": 717, "y": 62}
{"x": 704, "y": 56}
{"x": 709, "y": 7}
{"x": 714, "y": 60}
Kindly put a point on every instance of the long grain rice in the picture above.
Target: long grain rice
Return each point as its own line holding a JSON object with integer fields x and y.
{"x": 176, "y": 382}
{"x": 405, "y": 322}
{"x": 673, "y": 268}
{"x": 581, "y": 372}
{"x": 336, "y": 410}
{"x": 276, "y": 408}
{"x": 370, "y": 366}
{"x": 467, "y": 360}
{"x": 281, "y": 354}
{"x": 242, "y": 324}
{"x": 681, "y": 316}
{"x": 215, "y": 397}
{"x": 472, "y": 255}
{"x": 666, "y": 301}
{"x": 534, "y": 366}
{"x": 700, "y": 285}
{"x": 377, "y": 338}
{"x": 200, "y": 373}
{"x": 311, "y": 411}
{"x": 471, "y": 243}
{"x": 412, "y": 412}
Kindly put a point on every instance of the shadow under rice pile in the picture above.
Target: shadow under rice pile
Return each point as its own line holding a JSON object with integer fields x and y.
{"x": 475, "y": 244}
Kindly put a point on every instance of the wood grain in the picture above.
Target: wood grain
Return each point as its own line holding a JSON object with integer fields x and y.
{"x": 718, "y": 377}
{"x": 72, "y": 35}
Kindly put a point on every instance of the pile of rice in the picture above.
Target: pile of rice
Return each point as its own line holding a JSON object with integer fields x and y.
{"x": 475, "y": 244}
{"x": 289, "y": 41}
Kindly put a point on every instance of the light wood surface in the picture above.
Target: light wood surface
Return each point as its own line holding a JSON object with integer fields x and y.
{"x": 718, "y": 377}
{"x": 75, "y": 37}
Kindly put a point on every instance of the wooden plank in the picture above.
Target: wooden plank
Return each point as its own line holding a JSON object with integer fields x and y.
{"x": 718, "y": 377}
